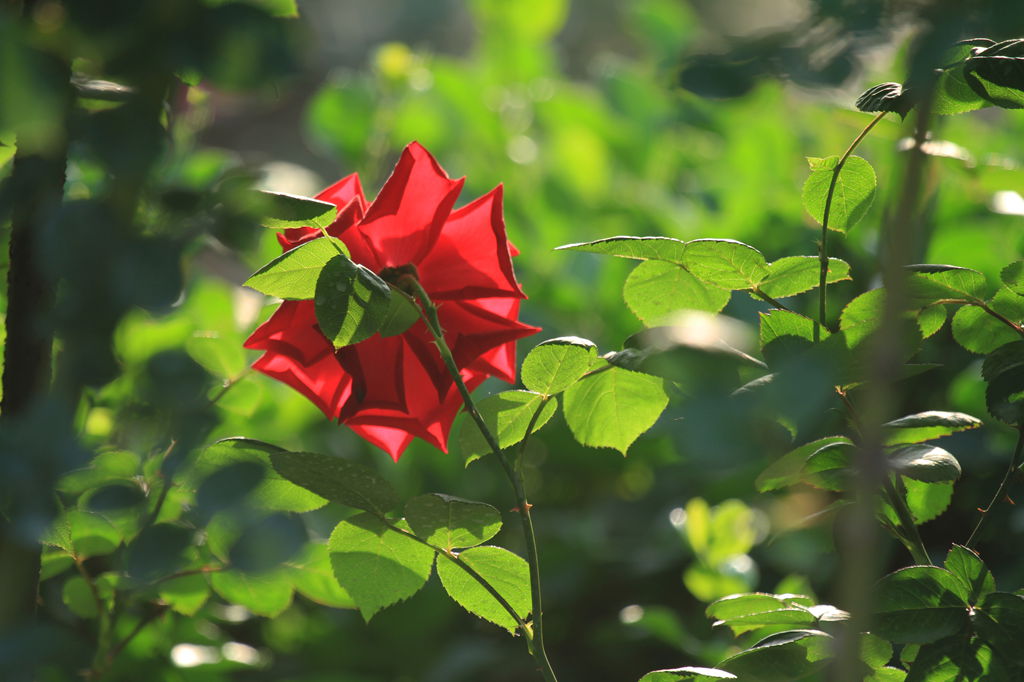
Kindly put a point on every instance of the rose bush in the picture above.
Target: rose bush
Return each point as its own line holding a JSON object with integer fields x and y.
{"x": 390, "y": 390}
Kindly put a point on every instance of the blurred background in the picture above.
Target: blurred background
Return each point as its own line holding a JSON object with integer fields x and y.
{"x": 601, "y": 118}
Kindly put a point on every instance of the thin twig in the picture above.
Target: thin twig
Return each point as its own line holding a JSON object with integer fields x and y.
{"x": 1000, "y": 493}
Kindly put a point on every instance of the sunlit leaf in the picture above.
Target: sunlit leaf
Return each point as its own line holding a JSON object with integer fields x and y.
{"x": 854, "y": 191}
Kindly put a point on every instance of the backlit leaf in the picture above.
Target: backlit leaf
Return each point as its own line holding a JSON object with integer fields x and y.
{"x": 695, "y": 673}
{"x": 506, "y": 572}
{"x": 919, "y": 604}
{"x": 725, "y": 263}
{"x": 508, "y": 415}
{"x": 336, "y": 479}
{"x": 451, "y": 522}
{"x": 789, "y": 469}
{"x": 655, "y": 289}
{"x": 613, "y": 407}
{"x": 638, "y": 248}
{"x": 968, "y": 567}
{"x": 265, "y": 594}
{"x": 553, "y": 365}
{"x": 784, "y": 657}
{"x": 853, "y": 194}
{"x": 352, "y": 302}
{"x": 980, "y": 332}
{"x": 794, "y": 275}
{"x": 293, "y": 274}
{"x": 282, "y": 210}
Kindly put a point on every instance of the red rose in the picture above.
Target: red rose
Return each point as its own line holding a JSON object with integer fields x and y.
{"x": 390, "y": 390}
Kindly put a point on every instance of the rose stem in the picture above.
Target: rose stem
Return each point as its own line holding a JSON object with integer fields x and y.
{"x": 429, "y": 313}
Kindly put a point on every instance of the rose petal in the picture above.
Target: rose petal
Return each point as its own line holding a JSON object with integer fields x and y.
{"x": 377, "y": 366}
{"x": 403, "y": 222}
{"x": 292, "y": 331}
{"x": 324, "y": 382}
{"x": 472, "y": 256}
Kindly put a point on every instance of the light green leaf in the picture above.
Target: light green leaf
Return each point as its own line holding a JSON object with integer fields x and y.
{"x": 351, "y": 302}
{"x": 953, "y": 95}
{"x": 750, "y": 603}
{"x": 776, "y": 323}
{"x": 90, "y": 534}
{"x": 980, "y": 332}
{"x": 185, "y": 594}
{"x": 655, "y": 289}
{"x": 927, "y": 284}
{"x": 919, "y": 604}
{"x": 927, "y": 501}
{"x": 695, "y": 673}
{"x": 1013, "y": 277}
{"x": 638, "y": 248}
{"x": 282, "y": 210}
{"x": 274, "y": 493}
{"x": 506, "y": 572}
{"x": 402, "y": 314}
{"x": 924, "y": 463}
{"x": 854, "y": 191}
{"x": 78, "y": 597}
{"x": 553, "y": 365}
{"x": 313, "y": 577}
{"x": 967, "y": 566}
{"x": 794, "y": 275}
{"x": 376, "y": 565}
{"x": 789, "y": 469}
{"x": 613, "y": 407}
{"x": 507, "y": 415}
{"x": 221, "y": 356}
{"x": 451, "y": 522}
{"x": 931, "y": 318}
{"x": 293, "y": 274}
{"x": 265, "y": 594}
{"x": 336, "y": 479}
{"x": 725, "y": 263}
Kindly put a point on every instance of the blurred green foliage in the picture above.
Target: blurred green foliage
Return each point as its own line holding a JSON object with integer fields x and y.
{"x": 577, "y": 110}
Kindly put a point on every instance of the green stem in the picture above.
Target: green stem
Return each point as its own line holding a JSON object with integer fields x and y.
{"x": 768, "y": 299}
{"x": 429, "y": 313}
{"x": 823, "y": 246}
{"x": 1000, "y": 493}
{"x": 896, "y": 493}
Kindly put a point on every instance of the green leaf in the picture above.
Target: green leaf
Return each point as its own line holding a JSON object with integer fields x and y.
{"x": 924, "y": 463}
{"x": 695, "y": 673}
{"x": 916, "y": 428}
{"x": 352, "y": 303}
{"x": 313, "y": 577}
{"x": 656, "y": 289}
{"x": 889, "y": 97}
{"x": 931, "y": 318}
{"x": 887, "y": 674}
{"x": 794, "y": 275}
{"x": 554, "y": 365}
{"x": 789, "y": 469}
{"x": 953, "y": 95}
{"x": 89, "y": 534}
{"x": 507, "y": 415}
{"x": 927, "y": 284}
{"x": 611, "y": 408}
{"x": 783, "y": 657}
{"x": 740, "y": 605}
{"x": 376, "y": 565}
{"x": 999, "y": 621}
{"x": 78, "y": 597}
{"x": 289, "y": 210}
{"x": 725, "y": 263}
{"x": 265, "y": 594}
{"x": 927, "y": 501}
{"x": 221, "y": 356}
{"x": 638, "y": 248}
{"x": 274, "y": 493}
{"x": 1003, "y": 369}
{"x": 967, "y": 566}
{"x": 158, "y": 551}
{"x": 402, "y": 314}
{"x": 53, "y": 562}
{"x": 293, "y": 274}
{"x": 919, "y": 604}
{"x": 952, "y": 659}
{"x": 185, "y": 594}
{"x": 506, "y": 572}
{"x": 854, "y": 191}
{"x": 777, "y": 323}
{"x": 745, "y": 612}
{"x": 336, "y": 479}
{"x": 1012, "y": 277}
{"x": 452, "y": 522}
{"x": 980, "y": 332}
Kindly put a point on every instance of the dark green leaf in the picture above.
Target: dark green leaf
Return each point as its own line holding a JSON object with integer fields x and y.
{"x": 158, "y": 550}
{"x": 289, "y": 210}
{"x": 376, "y": 565}
{"x": 506, "y": 572}
{"x": 1006, "y": 357}
{"x": 886, "y": 97}
{"x": 779, "y": 323}
{"x": 265, "y": 594}
{"x": 999, "y": 621}
{"x": 919, "y": 604}
{"x": 968, "y": 567}
{"x": 264, "y": 544}
{"x": 336, "y": 479}
{"x": 996, "y": 74}
{"x": 611, "y": 408}
{"x": 794, "y": 275}
{"x": 783, "y": 657}
{"x": 924, "y": 463}
{"x": 638, "y": 248}
{"x": 352, "y": 303}
{"x": 554, "y": 365}
{"x": 655, "y": 289}
{"x": 275, "y": 493}
{"x": 853, "y": 194}
{"x": 789, "y": 469}
{"x": 508, "y": 415}
{"x": 451, "y": 522}
{"x": 1004, "y": 396}
{"x": 725, "y": 263}
{"x": 293, "y": 274}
